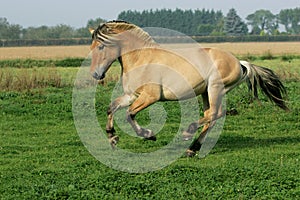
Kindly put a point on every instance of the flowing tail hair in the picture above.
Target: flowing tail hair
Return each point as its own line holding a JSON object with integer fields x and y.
{"x": 268, "y": 81}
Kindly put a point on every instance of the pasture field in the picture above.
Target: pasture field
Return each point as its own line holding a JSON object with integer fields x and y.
{"x": 42, "y": 157}
{"x": 61, "y": 52}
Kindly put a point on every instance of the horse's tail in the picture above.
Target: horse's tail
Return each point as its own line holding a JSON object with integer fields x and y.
{"x": 268, "y": 81}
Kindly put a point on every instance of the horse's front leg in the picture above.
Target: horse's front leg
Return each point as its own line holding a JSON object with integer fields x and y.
{"x": 142, "y": 132}
{"x": 118, "y": 103}
{"x": 145, "y": 99}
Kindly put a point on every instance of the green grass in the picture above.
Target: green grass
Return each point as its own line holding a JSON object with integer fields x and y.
{"x": 42, "y": 156}
{"x": 27, "y": 79}
{"x": 269, "y": 56}
{"x": 30, "y": 63}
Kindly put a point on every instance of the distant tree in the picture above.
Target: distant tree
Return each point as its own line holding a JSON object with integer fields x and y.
{"x": 255, "y": 30}
{"x": 264, "y": 20}
{"x": 82, "y": 33}
{"x": 290, "y": 18}
{"x": 4, "y": 26}
{"x": 61, "y": 31}
{"x": 219, "y": 28}
{"x": 45, "y": 32}
{"x": 40, "y": 32}
{"x": 233, "y": 24}
{"x": 94, "y": 23}
{"x": 9, "y": 31}
{"x": 285, "y": 17}
{"x": 296, "y": 20}
{"x": 205, "y": 29}
{"x": 190, "y": 22}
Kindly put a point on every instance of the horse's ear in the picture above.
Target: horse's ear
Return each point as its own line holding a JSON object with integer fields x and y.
{"x": 91, "y": 30}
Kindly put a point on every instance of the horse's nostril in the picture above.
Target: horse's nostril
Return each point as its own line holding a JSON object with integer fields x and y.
{"x": 97, "y": 76}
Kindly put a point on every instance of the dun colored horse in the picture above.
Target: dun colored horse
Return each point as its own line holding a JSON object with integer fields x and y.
{"x": 151, "y": 73}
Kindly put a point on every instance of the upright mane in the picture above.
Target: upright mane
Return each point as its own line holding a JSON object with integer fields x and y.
{"x": 112, "y": 28}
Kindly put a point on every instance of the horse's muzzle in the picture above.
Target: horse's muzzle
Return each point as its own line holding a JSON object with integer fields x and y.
{"x": 97, "y": 76}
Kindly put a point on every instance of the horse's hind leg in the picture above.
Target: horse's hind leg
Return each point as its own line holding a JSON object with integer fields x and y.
{"x": 188, "y": 135}
{"x": 195, "y": 126}
{"x": 212, "y": 102}
{"x": 196, "y": 145}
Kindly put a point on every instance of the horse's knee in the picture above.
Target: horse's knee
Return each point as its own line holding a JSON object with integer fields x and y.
{"x": 193, "y": 127}
{"x": 189, "y": 133}
{"x": 129, "y": 116}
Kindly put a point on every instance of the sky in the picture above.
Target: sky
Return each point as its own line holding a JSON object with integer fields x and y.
{"x": 77, "y": 12}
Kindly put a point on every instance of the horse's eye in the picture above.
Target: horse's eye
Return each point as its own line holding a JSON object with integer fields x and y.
{"x": 101, "y": 47}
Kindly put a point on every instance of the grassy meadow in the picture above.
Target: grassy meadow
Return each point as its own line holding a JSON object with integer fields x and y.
{"x": 42, "y": 157}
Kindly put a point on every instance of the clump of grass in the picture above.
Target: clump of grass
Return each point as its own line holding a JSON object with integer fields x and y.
{"x": 288, "y": 75}
{"x": 248, "y": 57}
{"x": 267, "y": 55}
{"x": 31, "y": 63}
{"x": 26, "y": 63}
{"x": 289, "y": 57}
{"x": 69, "y": 62}
{"x": 6, "y": 80}
{"x": 25, "y": 80}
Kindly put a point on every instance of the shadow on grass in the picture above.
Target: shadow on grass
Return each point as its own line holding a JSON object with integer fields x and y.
{"x": 234, "y": 142}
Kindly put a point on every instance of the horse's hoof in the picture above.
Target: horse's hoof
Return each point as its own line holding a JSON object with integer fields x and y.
{"x": 187, "y": 136}
{"x": 232, "y": 112}
{"x": 153, "y": 138}
{"x": 147, "y": 134}
{"x": 113, "y": 141}
{"x": 190, "y": 153}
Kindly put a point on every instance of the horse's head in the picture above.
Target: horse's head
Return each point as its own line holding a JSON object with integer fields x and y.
{"x": 112, "y": 40}
{"x": 105, "y": 50}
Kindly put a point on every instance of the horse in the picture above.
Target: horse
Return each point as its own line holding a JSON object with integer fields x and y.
{"x": 151, "y": 73}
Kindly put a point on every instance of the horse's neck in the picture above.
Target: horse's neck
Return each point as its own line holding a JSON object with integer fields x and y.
{"x": 128, "y": 60}
{"x": 132, "y": 45}
{"x": 131, "y": 55}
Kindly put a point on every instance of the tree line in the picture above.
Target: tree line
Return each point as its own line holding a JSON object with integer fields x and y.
{"x": 215, "y": 23}
{"x": 191, "y": 22}
{"x": 61, "y": 31}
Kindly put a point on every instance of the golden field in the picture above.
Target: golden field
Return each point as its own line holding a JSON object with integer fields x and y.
{"x": 44, "y": 52}
{"x": 59, "y": 52}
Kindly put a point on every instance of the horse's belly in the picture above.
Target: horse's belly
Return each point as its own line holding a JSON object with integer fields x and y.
{"x": 184, "y": 91}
